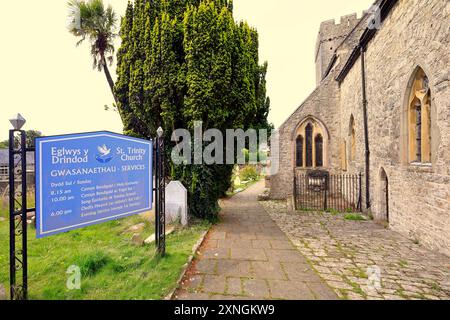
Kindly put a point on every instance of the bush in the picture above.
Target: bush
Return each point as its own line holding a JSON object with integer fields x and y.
{"x": 246, "y": 155}
{"x": 249, "y": 174}
{"x": 260, "y": 156}
{"x": 205, "y": 185}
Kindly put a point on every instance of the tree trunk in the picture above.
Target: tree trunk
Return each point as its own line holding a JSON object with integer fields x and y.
{"x": 111, "y": 85}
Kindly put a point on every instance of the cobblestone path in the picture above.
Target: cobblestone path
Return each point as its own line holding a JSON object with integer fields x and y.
{"x": 364, "y": 260}
{"x": 247, "y": 256}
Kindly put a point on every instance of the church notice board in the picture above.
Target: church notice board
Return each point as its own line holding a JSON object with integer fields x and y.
{"x": 90, "y": 178}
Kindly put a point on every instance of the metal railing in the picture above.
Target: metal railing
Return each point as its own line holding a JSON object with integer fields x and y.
{"x": 322, "y": 191}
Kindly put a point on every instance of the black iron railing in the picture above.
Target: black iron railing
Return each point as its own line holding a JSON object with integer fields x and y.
{"x": 321, "y": 191}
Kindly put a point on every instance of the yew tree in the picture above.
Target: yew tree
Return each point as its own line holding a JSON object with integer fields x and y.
{"x": 183, "y": 61}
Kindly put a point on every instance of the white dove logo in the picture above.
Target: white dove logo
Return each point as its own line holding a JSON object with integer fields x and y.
{"x": 104, "y": 155}
{"x": 104, "y": 151}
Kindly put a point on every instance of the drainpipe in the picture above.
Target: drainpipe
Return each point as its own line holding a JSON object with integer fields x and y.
{"x": 366, "y": 127}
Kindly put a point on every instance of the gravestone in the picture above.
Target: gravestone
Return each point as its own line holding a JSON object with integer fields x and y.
{"x": 176, "y": 203}
{"x": 137, "y": 240}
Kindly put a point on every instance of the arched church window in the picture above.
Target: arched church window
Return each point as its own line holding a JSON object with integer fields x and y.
{"x": 419, "y": 120}
{"x": 309, "y": 145}
{"x": 299, "y": 151}
{"x": 318, "y": 142}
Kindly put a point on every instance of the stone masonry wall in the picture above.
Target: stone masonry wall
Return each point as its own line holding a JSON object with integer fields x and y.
{"x": 415, "y": 34}
{"x": 322, "y": 105}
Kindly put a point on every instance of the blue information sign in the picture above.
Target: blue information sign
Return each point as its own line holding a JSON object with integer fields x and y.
{"x": 90, "y": 178}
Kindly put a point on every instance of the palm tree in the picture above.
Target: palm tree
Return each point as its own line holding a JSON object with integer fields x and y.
{"x": 90, "y": 19}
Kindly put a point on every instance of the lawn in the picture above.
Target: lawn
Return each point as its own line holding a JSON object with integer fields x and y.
{"x": 112, "y": 267}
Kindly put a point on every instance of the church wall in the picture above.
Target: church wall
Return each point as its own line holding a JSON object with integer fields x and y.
{"x": 415, "y": 34}
{"x": 323, "y": 105}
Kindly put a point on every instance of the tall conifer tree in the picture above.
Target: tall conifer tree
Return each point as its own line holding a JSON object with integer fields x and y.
{"x": 183, "y": 61}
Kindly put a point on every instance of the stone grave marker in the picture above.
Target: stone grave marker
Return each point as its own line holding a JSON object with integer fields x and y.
{"x": 176, "y": 203}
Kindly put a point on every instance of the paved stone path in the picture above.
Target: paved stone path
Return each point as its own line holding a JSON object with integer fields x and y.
{"x": 350, "y": 255}
{"x": 247, "y": 256}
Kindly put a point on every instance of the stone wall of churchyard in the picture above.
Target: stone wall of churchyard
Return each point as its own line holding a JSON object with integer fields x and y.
{"x": 415, "y": 34}
{"x": 323, "y": 106}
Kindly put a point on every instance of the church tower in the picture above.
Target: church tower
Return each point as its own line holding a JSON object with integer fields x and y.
{"x": 329, "y": 38}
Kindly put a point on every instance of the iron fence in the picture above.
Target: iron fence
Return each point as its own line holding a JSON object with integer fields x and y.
{"x": 321, "y": 191}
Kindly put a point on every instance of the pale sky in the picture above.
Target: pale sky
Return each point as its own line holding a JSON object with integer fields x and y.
{"x": 52, "y": 84}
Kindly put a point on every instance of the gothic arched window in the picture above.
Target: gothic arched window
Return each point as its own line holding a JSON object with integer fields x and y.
{"x": 309, "y": 145}
{"x": 299, "y": 151}
{"x": 318, "y": 143}
{"x": 419, "y": 120}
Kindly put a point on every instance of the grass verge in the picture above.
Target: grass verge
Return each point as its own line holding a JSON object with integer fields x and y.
{"x": 112, "y": 267}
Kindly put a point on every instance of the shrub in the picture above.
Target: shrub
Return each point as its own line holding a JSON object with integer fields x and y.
{"x": 246, "y": 155}
{"x": 205, "y": 184}
{"x": 249, "y": 174}
{"x": 260, "y": 156}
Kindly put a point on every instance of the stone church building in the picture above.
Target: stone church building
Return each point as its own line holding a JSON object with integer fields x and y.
{"x": 381, "y": 108}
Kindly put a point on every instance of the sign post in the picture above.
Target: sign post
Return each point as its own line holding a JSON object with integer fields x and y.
{"x": 160, "y": 212}
{"x": 17, "y": 214}
{"x": 18, "y": 210}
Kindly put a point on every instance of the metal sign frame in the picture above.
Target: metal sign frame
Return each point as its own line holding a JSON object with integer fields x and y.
{"x": 83, "y": 140}
{"x": 18, "y": 208}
